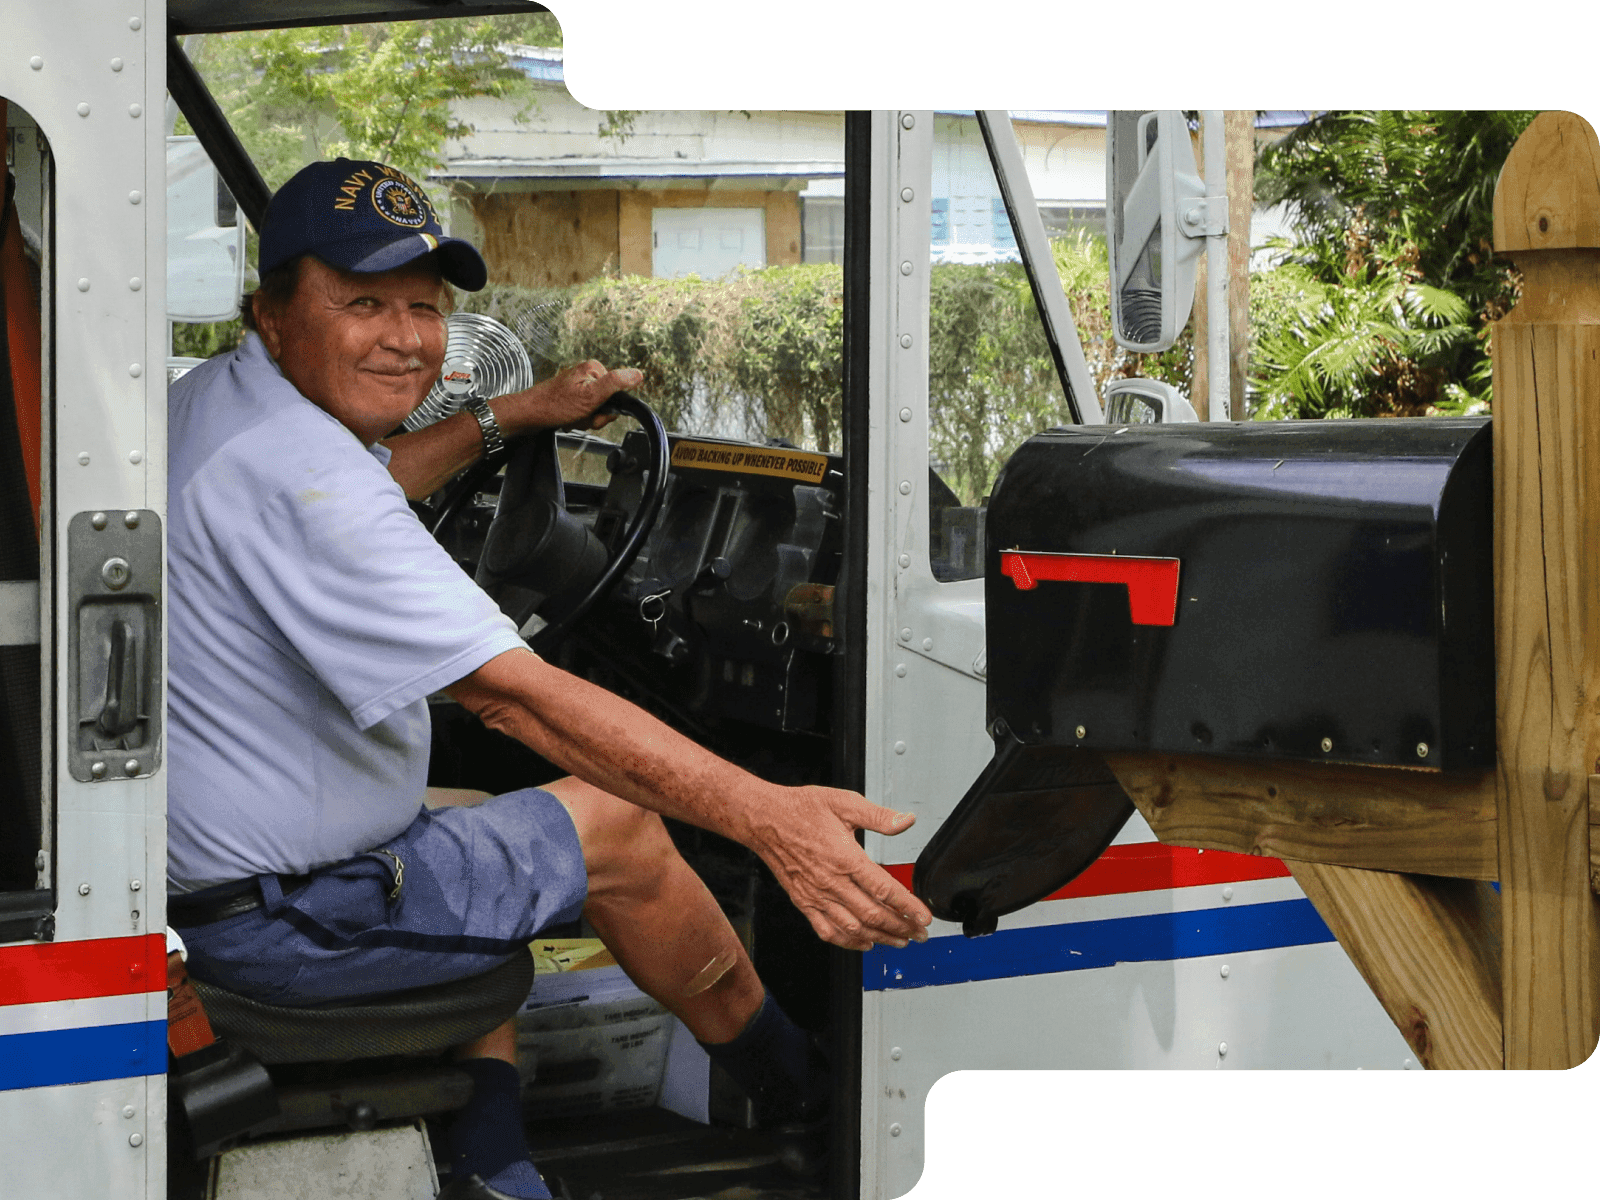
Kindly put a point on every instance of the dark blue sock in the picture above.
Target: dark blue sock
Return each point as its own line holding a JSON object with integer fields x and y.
{"x": 777, "y": 1065}
{"x": 486, "y": 1138}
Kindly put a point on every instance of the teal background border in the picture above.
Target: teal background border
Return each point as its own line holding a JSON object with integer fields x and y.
{"x": 1135, "y": 1133}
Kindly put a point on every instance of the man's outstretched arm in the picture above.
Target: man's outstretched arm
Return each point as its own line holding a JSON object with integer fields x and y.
{"x": 806, "y": 835}
{"x": 424, "y": 461}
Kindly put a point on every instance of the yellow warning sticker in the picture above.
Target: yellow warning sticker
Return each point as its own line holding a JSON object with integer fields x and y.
{"x": 553, "y": 955}
{"x": 751, "y": 460}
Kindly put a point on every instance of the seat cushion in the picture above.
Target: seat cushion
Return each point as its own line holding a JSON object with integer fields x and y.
{"x": 422, "y": 1021}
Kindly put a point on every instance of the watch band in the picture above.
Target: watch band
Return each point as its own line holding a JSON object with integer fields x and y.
{"x": 493, "y": 442}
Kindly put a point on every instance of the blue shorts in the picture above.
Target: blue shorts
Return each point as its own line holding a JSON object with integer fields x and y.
{"x": 476, "y": 883}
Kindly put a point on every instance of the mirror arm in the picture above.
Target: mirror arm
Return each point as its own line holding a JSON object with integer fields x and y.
{"x": 1005, "y": 156}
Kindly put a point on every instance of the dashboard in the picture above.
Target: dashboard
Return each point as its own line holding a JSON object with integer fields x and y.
{"x": 729, "y": 605}
{"x": 725, "y": 617}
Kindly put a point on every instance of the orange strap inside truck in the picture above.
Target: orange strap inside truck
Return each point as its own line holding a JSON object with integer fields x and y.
{"x": 20, "y": 303}
{"x": 188, "y": 1029}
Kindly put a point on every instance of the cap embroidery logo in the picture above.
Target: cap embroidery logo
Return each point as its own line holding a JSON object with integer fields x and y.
{"x": 350, "y": 189}
{"x": 396, "y": 202}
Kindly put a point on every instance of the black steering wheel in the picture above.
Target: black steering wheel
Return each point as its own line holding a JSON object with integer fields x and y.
{"x": 539, "y": 558}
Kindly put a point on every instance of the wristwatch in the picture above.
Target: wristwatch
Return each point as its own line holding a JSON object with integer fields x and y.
{"x": 493, "y": 442}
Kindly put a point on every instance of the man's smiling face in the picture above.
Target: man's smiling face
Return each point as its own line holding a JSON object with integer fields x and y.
{"x": 365, "y": 348}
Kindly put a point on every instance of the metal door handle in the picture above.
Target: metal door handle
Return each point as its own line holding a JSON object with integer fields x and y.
{"x": 120, "y": 712}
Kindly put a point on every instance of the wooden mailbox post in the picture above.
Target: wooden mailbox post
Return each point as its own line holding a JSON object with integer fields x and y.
{"x": 1547, "y": 589}
{"x": 1399, "y": 862}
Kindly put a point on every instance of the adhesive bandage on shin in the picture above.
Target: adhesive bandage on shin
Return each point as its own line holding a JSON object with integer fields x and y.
{"x": 714, "y": 970}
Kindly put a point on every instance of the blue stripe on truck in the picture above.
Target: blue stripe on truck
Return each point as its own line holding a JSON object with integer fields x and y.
{"x": 1083, "y": 945}
{"x": 57, "y": 1056}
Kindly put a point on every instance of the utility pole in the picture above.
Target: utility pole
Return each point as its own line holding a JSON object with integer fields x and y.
{"x": 1240, "y": 125}
{"x": 1223, "y": 352}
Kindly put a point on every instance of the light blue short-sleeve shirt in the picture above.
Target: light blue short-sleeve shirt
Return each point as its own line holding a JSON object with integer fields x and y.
{"x": 310, "y": 615}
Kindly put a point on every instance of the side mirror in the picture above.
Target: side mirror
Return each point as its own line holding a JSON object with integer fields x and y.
{"x": 1151, "y": 185}
{"x": 1146, "y": 402}
{"x": 205, "y": 238}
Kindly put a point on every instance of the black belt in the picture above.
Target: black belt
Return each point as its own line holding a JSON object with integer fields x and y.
{"x": 213, "y": 904}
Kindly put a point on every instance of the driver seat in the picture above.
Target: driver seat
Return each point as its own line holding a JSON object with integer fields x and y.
{"x": 309, "y": 1048}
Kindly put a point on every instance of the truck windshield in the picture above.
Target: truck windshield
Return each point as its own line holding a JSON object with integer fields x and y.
{"x": 703, "y": 247}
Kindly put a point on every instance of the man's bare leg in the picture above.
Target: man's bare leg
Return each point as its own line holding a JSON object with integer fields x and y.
{"x": 653, "y": 913}
{"x": 443, "y": 797}
{"x": 666, "y": 930}
{"x": 658, "y": 918}
{"x": 500, "y": 1042}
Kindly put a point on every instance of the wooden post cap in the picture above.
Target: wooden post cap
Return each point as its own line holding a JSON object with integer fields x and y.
{"x": 1548, "y": 195}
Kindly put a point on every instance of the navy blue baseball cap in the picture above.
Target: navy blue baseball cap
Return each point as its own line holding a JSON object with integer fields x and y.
{"x": 362, "y": 216}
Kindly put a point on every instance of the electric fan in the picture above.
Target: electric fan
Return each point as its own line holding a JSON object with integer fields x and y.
{"x": 481, "y": 358}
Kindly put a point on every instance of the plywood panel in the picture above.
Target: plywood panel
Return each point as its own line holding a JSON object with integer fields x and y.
{"x": 547, "y": 239}
{"x": 783, "y": 229}
{"x": 633, "y": 232}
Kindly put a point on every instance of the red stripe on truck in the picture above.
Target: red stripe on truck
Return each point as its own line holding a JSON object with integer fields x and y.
{"x": 1150, "y": 867}
{"x": 43, "y": 971}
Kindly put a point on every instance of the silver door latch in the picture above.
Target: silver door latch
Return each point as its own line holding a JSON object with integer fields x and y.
{"x": 114, "y": 583}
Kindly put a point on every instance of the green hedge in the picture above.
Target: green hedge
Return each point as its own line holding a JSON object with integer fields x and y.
{"x": 760, "y": 354}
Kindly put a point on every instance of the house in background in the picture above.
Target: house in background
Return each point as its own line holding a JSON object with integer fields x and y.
{"x": 680, "y": 193}
{"x": 552, "y": 201}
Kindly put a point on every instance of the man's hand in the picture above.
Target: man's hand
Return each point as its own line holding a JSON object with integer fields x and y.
{"x": 808, "y": 841}
{"x": 424, "y": 461}
{"x": 565, "y": 401}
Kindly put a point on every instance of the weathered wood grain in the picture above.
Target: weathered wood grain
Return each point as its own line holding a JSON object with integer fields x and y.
{"x": 1594, "y": 833}
{"x": 1547, "y": 591}
{"x": 1429, "y": 949}
{"x": 1424, "y": 822}
{"x": 1548, "y": 194}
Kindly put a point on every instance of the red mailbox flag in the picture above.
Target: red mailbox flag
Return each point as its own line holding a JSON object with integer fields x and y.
{"x": 1152, "y": 582}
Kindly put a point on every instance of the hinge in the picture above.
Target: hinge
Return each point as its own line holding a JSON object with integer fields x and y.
{"x": 1205, "y": 216}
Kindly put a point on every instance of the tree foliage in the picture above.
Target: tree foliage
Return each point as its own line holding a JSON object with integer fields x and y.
{"x": 380, "y": 91}
{"x": 1387, "y": 287}
{"x": 756, "y": 355}
{"x": 992, "y": 381}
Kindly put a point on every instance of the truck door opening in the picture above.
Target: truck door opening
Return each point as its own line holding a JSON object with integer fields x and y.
{"x": 25, "y": 834}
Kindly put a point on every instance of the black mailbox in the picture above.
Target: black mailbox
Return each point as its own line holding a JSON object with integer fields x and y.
{"x": 1315, "y": 590}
